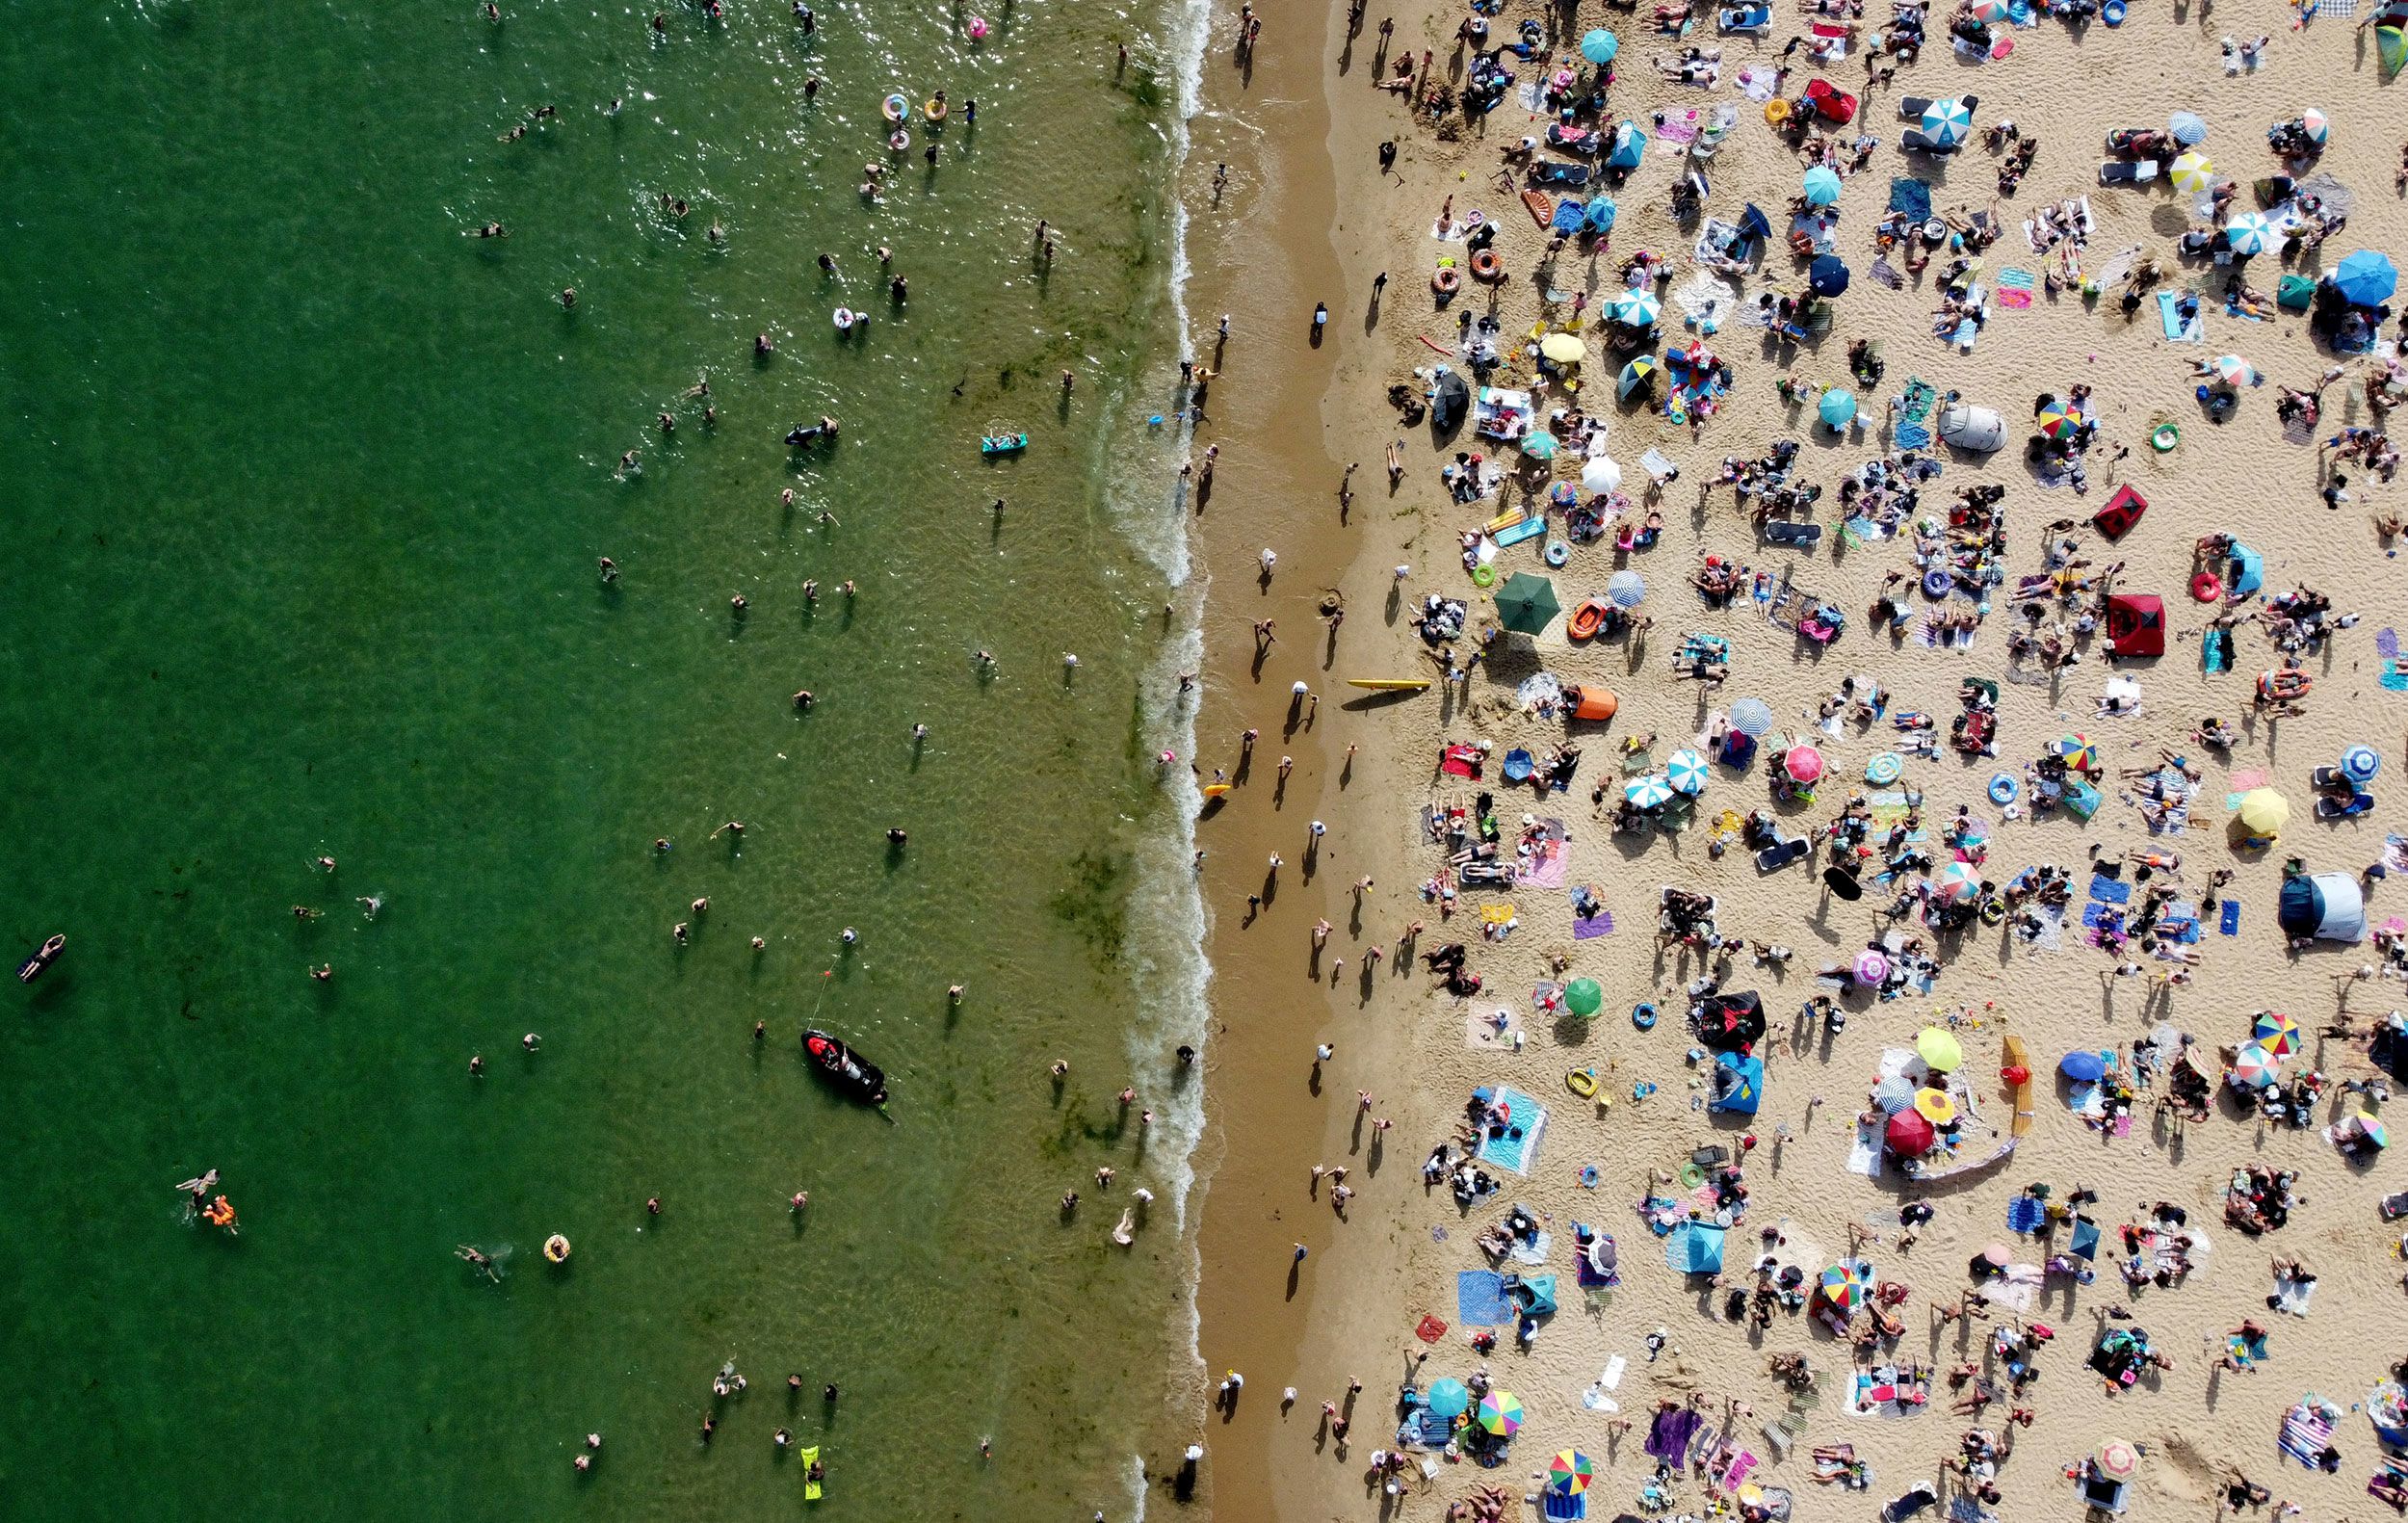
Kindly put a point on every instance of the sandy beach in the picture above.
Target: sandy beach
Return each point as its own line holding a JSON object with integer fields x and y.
{"x": 1301, "y": 130}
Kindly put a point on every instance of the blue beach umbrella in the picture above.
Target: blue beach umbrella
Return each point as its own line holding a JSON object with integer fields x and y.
{"x": 1630, "y": 146}
{"x": 2249, "y": 233}
{"x": 1838, "y": 406}
{"x": 1686, "y": 770}
{"x": 1636, "y": 374}
{"x": 2360, "y": 763}
{"x": 2365, "y": 277}
{"x": 1449, "y": 1397}
{"x": 1598, "y": 217}
{"x": 1822, "y": 186}
{"x": 2187, "y": 128}
{"x": 2083, "y": 1067}
{"x": 1751, "y": 717}
{"x": 1627, "y": 589}
{"x": 1948, "y": 121}
{"x": 1600, "y": 46}
{"x": 1827, "y": 275}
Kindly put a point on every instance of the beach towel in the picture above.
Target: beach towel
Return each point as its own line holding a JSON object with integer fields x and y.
{"x": 1884, "y": 272}
{"x": 1479, "y": 1298}
{"x": 2017, "y": 1288}
{"x": 1588, "y": 926}
{"x": 2227, "y": 918}
{"x": 1911, "y": 197}
{"x": 2177, "y": 331}
{"x": 1864, "y": 1155}
{"x": 2015, "y": 287}
{"x": 2024, "y": 1214}
{"x": 1460, "y": 761}
{"x": 1502, "y": 1146}
{"x": 2108, "y": 890}
{"x": 1429, "y": 1330}
{"x": 2306, "y": 1432}
{"x": 1544, "y": 868}
{"x": 2293, "y": 1296}
{"x": 1888, "y": 1392}
{"x": 1560, "y": 1506}
{"x": 1669, "y": 1435}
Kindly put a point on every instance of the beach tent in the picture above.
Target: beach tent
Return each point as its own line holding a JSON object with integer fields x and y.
{"x": 2136, "y": 622}
{"x": 2325, "y": 906}
{"x": 1738, "y": 1084}
{"x": 2246, "y": 572}
{"x": 1630, "y": 146}
{"x": 1731, "y": 1022}
{"x": 1695, "y": 1247}
{"x": 1977, "y": 429}
{"x": 1449, "y": 400}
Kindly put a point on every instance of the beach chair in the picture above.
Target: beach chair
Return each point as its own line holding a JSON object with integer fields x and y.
{"x": 2115, "y": 172}
{"x": 1753, "y": 19}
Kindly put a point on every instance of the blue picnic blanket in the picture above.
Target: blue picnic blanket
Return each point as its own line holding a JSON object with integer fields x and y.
{"x": 1479, "y": 1298}
{"x": 2024, "y": 1214}
{"x": 1911, "y": 197}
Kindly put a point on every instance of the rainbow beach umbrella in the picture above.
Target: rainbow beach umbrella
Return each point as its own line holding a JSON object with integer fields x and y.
{"x": 2078, "y": 751}
{"x": 2056, "y": 421}
{"x": 1500, "y": 1413}
{"x": 2277, "y": 1032}
{"x": 1844, "y": 1286}
{"x": 1569, "y": 1473}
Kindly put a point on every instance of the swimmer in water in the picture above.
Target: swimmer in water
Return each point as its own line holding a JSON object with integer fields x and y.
{"x": 488, "y": 230}
{"x": 370, "y": 904}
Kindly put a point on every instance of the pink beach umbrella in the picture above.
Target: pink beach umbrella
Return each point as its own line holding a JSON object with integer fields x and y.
{"x": 1803, "y": 763}
{"x": 1872, "y": 967}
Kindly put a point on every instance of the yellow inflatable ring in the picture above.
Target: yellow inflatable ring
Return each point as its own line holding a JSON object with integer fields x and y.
{"x": 1776, "y": 110}
{"x": 556, "y": 1248}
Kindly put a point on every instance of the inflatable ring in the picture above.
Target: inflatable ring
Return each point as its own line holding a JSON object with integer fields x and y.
{"x": 556, "y": 1250}
{"x": 844, "y": 320}
{"x": 1558, "y": 552}
{"x": 1776, "y": 110}
{"x": 1643, "y": 1015}
{"x": 2112, "y": 13}
{"x": 1484, "y": 575}
{"x": 2207, "y": 588}
{"x": 898, "y": 140}
{"x": 2002, "y": 789}
{"x": 1445, "y": 280}
{"x": 2165, "y": 437}
{"x": 1486, "y": 265}
{"x": 1937, "y": 584}
{"x": 977, "y": 29}
{"x": 894, "y": 108}
{"x": 1693, "y": 1175}
{"x": 933, "y": 110}
{"x": 1993, "y": 911}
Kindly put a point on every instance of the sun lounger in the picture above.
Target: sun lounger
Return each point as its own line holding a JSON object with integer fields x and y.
{"x": 2115, "y": 172}
{"x": 1804, "y": 535}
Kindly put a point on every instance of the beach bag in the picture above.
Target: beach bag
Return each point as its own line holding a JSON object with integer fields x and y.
{"x": 2295, "y": 293}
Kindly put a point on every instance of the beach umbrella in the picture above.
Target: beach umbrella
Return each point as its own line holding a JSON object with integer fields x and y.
{"x": 2370, "y": 1127}
{"x": 1948, "y": 121}
{"x": 2263, "y": 811}
{"x": 2056, "y": 421}
{"x": 1563, "y": 494}
{"x": 1939, "y": 1049}
{"x": 1626, "y": 588}
{"x": 2317, "y": 126}
{"x": 2234, "y": 371}
{"x": 1989, "y": 12}
{"x": 1540, "y": 445}
{"x": 2117, "y": 1460}
{"x": 1827, "y": 275}
{"x": 1803, "y": 763}
{"x": 2276, "y": 1031}
{"x": 1837, "y": 407}
{"x": 1647, "y": 791}
{"x": 1582, "y": 996}
{"x": 2391, "y": 48}
{"x": 1569, "y": 1473}
{"x": 1636, "y": 374}
{"x": 1686, "y": 770}
{"x": 1957, "y": 880}
{"x": 1821, "y": 185}
{"x": 1751, "y": 717}
{"x": 2249, "y": 233}
{"x": 2079, "y": 751}
{"x": 1635, "y": 308}
{"x": 1884, "y": 769}
{"x": 2254, "y": 1068}
{"x": 1564, "y": 348}
{"x": 1449, "y": 1397}
{"x": 1500, "y": 1413}
{"x": 1935, "y": 1106}
{"x": 1601, "y": 473}
{"x": 2364, "y": 278}
{"x": 1844, "y": 1286}
{"x": 2360, "y": 763}
{"x": 2193, "y": 173}
{"x": 2187, "y": 128}
{"x": 1526, "y": 603}
{"x": 2083, "y": 1067}
{"x": 1600, "y": 46}
{"x": 1600, "y": 215}
{"x": 1893, "y": 1094}
{"x": 1872, "y": 967}
{"x": 1908, "y": 1135}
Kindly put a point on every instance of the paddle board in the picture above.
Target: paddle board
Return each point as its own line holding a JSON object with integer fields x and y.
{"x": 810, "y": 1487}
{"x": 2019, "y": 1093}
{"x": 1391, "y": 684}
{"x": 1215, "y": 789}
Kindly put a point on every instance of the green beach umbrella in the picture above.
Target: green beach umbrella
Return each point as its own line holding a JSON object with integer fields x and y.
{"x": 1526, "y": 603}
{"x": 1582, "y": 996}
{"x": 2391, "y": 45}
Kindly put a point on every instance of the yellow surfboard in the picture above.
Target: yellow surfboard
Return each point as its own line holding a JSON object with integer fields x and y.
{"x": 810, "y": 1487}
{"x": 1391, "y": 684}
{"x": 1215, "y": 789}
{"x": 2019, "y": 1093}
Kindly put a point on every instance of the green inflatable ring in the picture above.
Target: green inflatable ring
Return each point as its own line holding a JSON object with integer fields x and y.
{"x": 1692, "y": 1175}
{"x": 1484, "y": 575}
{"x": 2165, "y": 437}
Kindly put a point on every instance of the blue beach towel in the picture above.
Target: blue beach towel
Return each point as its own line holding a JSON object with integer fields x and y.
{"x": 2227, "y": 918}
{"x": 1911, "y": 197}
{"x": 2109, "y": 890}
{"x": 2176, "y": 331}
{"x": 1479, "y": 1299}
{"x": 1511, "y": 1149}
{"x": 2024, "y": 1214}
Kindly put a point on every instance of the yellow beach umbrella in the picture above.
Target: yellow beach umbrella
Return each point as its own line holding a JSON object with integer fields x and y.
{"x": 2263, "y": 811}
{"x": 2193, "y": 173}
{"x": 1935, "y": 1106}
{"x": 1939, "y": 1050}
{"x": 1564, "y": 348}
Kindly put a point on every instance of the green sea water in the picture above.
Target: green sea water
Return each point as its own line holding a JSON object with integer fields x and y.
{"x": 305, "y": 495}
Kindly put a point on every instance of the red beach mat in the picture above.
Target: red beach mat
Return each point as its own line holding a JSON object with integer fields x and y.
{"x": 1430, "y": 1330}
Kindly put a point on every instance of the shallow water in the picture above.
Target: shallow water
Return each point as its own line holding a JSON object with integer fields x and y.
{"x": 309, "y": 491}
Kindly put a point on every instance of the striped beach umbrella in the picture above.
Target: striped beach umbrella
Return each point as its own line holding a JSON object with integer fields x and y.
{"x": 1500, "y": 1413}
{"x": 2254, "y": 1068}
{"x": 2234, "y": 371}
{"x": 1844, "y": 1286}
{"x": 2187, "y": 128}
{"x": 1635, "y": 308}
{"x": 1751, "y": 717}
{"x": 1884, "y": 769}
{"x": 1626, "y": 588}
{"x": 2118, "y": 1459}
{"x": 1989, "y": 12}
{"x": 2360, "y": 763}
{"x": 1569, "y": 1473}
{"x": 2249, "y": 233}
{"x": 2277, "y": 1032}
{"x": 1648, "y": 791}
{"x": 1872, "y": 967}
{"x": 2193, "y": 173}
{"x": 1948, "y": 121}
{"x": 1686, "y": 770}
{"x": 2316, "y": 125}
{"x": 1893, "y": 1094}
{"x": 1957, "y": 882}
